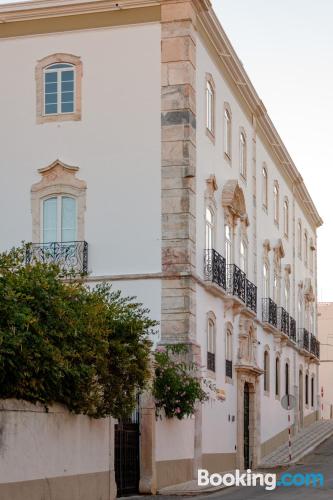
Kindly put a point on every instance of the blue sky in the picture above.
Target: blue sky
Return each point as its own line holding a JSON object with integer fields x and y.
{"x": 286, "y": 47}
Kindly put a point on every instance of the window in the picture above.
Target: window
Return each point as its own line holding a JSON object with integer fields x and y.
{"x": 276, "y": 288}
{"x": 264, "y": 187}
{"x": 312, "y": 255}
{"x": 228, "y": 349}
{"x": 299, "y": 313}
{"x": 59, "y": 219}
{"x": 58, "y": 86}
{"x": 227, "y": 133}
{"x": 210, "y": 104}
{"x": 287, "y": 378}
{"x": 211, "y": 345}
{"x": 286, "y": 295}
{"x": 242, "y": 154}
{"x": 209, "y": 229}
{"x": 266, "y": 291}
{"x": 266, "y": 371}
{"x": 306, "y": 389}
{"x": 306, "y": 249}
{"x": 228, "y": 245}
{"x": 276, "y": 202}
{"x": 299, "y": 239}
{"x": 286, "y": 218}
{"x": 243, "y": 256}
{"x": 277, "y": 376}
{"x": 312, "y": 392}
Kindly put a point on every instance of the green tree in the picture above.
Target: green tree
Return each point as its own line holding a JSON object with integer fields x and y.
{"x": 63, "y": 342}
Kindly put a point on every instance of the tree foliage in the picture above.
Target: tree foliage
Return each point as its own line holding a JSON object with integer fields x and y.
{"x": 63, "y": 342}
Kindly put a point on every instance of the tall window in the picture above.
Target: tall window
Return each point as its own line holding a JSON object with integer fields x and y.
{"x": 306, "y": 389}
{"x": 209, "y": 229}
{"x": 299, "y": 239}
{"x": 266, "y": 290}
{"x": 312, "y": 255}
{"x": 228, "y": 347}
{"x": 242, "y": 154}
{"x": 286, "y": 295}
{"x": 210, "y": 107}
{"x": 266, "y": 371}
{"x": 228, "y": 244}
{"x": 243, "y": 256}
{"x": 287, "y": 378}
{"x": 286, "y": 218}
{"x": 227, "y": 133}
{"x": 59, "y": 219}
{"x": 276, "y": 202}
{"x": 312, "y": 392}
{"x": 211, "y": 345}
{"x": 299, "y": 313}
{"x": 276, "y": 288}
{"x": 306, "y": 249}
{"x": 264, "y": 187}
{"x": 277, "y": 376}
{"x": 59, "y": 89}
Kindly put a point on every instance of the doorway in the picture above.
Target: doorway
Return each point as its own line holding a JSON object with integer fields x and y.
{"x": 246, "y": 437}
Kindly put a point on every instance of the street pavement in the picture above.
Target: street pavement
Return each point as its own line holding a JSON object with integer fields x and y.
{"x": 319, "y": 461}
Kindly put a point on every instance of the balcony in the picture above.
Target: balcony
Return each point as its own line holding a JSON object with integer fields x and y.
{"x": 292, "y": 329}
{"x": 251, "y": 296}
{"x": 269, "y": 312}
{"x": 236, "y": 282}
{"x": 314, "y": 346}
{"x": 283, "y": 321}
{"x": 211, "y": 361}
{"x": 70, "y": 256}
{"x": 303, "y": 339}
{"x": 228, "y": 368}
{"x": 215, "y": 268}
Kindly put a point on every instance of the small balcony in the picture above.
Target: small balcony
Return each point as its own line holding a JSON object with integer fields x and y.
{"x": 303, "y": 339}
{"x": 292, "y": 329}
{"x": 236, "y": 282}
{"x": 228, "y": 368}
{"x": 251, "y": 296}
{"x": 215, "y": 268}
{"x": 70, "y": 256}
{"x": 211, "y": 361}
{"x": 283, "y": 321}
{"x": 314, "y": 346}
{"x": 269, "y": 312}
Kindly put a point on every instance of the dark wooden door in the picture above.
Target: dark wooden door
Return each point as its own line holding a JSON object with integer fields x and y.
{"x": 246, "y": 426}
{"x": 127, "y": 457}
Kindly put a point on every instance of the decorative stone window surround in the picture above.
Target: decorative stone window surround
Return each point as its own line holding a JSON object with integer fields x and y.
{"x": 243, "y": 175}
{"x": 267, "y": 373}
{"x": 211, "y": 133}
{"x": 211, "y": 317}
{"x": 39, "y": 75}
{"x": 227, "y": 154}
{"x": 229, "y": 331}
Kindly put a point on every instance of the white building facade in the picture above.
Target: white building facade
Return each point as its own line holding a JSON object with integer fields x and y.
{"x": 133, "y": 141}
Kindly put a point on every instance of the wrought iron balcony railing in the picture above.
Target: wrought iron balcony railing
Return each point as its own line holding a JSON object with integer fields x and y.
{"x": 269, "y": 312}
{"x": 236, "y": 282}
{"x": 314, "y": 346}
{"x": 215, "y": 268}
{"x": 228, "y": 368}
{"x": 211, "y": 361}
{"x": 70, "y": 256}
{"x": 292, "y": 329}
{"x": 283, "y": 321}
{"x": 303, "y": 339}
{"x": 251, "y": 296}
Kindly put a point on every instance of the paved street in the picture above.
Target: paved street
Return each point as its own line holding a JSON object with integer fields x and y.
{"x": 320, "y": 461}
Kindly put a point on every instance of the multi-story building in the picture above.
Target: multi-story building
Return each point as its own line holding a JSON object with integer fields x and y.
{"x": 134, "y": 145}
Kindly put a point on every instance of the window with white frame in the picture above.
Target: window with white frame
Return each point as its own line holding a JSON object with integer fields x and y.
{"x": 243, "y": 256}
{"x": 276, "y": 202}
{"x": 286, "y": 218}
{"x": 211, "y": 344}
{"x": 312, "y": 255}
{"x": 287, "y": 381}
{"x": 228, "y": 244}
{"x": 306, "y": 248}
{"x": 277, "y": 376}
{"x": 299, "y": 239}
{"x": 59, "y": 89}
{"x": 276, "y": 288}
{"x": 300, "y": 313}
{"x": 312, "y": 391}
{"x": 264, "y": 187}
{"x": 228, "y": 347}
{"x": 59, "y": 219}
{"x": 266, "y": 291}
{"x": 210, "y": 98}
{"x": 286, "y": 295}
{"x": 242, "y": 154}
{"x": 227, "y": 132}
{"x": 266, "y": 371}
{"x": 307, "y": 389}
{"x": 210, "y": 228}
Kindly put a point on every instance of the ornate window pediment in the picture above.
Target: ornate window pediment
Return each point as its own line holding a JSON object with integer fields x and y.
{"x": 233, "y": 202}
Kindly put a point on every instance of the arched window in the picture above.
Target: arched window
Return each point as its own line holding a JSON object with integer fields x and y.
{"x": 266, "y": 291}
{"x": 286, "y": 218}
{"x": 59, "y": 89}
{"x": 242, "y": 154}
{"x": 210, "y": 105}
{"x": 228, "y": 347}
{"x": 276, "y": 202}
{"x": 299, "y": 239}
{"x": 312, "y": 391}
{"x": 243, "y": 256}
{"x": 227, "y": 132}
{"x": 287, "y": 378}
{"x": 228, "y": 244}
{"x": 264, "y": 187}
{"x": 306, "y": 389}
{"x": 211, "y": 344}
{"x": 59, "y": 219}
{"x": 210, "y": 228}
{"x": 266, "y": 371}
{"x": 277, "y": 376}
{"x": 306, "y": 249}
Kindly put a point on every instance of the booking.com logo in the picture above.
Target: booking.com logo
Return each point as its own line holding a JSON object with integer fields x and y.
{"x": 268, "y": 481}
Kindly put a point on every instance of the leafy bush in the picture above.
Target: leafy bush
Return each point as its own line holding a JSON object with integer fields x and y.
{"x": 62, "y": 342}
{"x": 177, "y": 387}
